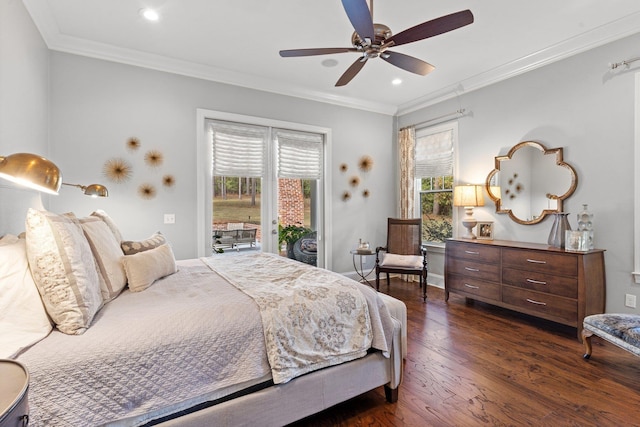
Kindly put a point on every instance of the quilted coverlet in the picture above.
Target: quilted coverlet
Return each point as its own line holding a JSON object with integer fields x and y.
{"x": 312, "y": 318}
{"x": 191, "y": 337}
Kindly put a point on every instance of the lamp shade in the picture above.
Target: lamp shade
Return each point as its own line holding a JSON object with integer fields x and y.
{"x": 93, "y": 190}
{"x": 468, "y": 195}
{"x": 32, "y": 171}
{"x": 96, "y": 190}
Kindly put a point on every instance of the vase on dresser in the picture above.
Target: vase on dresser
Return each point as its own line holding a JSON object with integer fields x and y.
{"x": 585, "y": 223}
{"x": 560, "y": 225}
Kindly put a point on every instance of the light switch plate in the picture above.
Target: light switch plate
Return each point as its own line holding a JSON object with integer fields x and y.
{"x": 169, "y": 218}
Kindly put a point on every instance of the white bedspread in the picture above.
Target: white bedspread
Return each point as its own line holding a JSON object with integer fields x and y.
{"x": 189, "y": 338}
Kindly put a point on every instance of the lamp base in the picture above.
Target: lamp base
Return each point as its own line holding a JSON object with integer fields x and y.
{"x": 469, "y": 224}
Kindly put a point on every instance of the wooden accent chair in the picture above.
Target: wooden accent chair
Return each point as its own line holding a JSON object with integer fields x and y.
{"x": 404, "y": 252}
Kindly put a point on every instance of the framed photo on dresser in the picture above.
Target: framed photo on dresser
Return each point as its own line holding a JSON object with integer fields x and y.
{"x": 485, "y": 230}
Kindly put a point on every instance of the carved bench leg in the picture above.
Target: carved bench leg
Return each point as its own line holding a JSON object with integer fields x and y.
{"x": 586, "y": 339}
{"x": 391, "y": 394}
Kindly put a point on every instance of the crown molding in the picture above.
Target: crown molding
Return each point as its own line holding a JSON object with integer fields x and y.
{"x": 599, "y": 36}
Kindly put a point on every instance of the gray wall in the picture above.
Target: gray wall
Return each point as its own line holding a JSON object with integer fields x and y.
{"x": 578, "y": 104}
{"x": 24, "y": 106}
{"x": 97, "y": 105}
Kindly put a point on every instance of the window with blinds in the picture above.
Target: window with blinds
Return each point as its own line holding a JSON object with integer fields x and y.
{"x": 434, "y": 159}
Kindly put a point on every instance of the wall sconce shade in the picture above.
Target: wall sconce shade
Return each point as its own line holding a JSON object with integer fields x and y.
{"x": 93, "y": 190}
{"x": 468, "y": 196}
{"x": 32, "y": 171}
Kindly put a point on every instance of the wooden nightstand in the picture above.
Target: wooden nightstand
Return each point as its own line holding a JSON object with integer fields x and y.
{"x": 14, "y": 407}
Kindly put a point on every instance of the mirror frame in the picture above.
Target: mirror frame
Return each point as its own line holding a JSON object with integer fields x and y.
{"x": 545, "y": 151}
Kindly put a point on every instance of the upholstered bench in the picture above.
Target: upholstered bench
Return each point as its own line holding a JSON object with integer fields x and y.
{"x": 622, "y": 330}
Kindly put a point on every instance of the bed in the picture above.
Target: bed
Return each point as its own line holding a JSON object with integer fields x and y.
{"x": 139, "y": 338}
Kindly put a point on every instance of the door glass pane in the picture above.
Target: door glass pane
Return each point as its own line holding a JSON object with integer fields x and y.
{"x": 236, "y": 213}
{"x": 296, "y": 218}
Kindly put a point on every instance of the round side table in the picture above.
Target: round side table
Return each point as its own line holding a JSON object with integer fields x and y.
{"x": 359, "y": 265}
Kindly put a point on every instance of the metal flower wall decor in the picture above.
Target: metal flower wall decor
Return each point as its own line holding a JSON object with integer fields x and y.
{"x": 365, "y": 164}
{"x": 119, "y": 170}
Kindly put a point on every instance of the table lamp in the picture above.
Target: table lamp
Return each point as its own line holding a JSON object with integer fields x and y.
{"x": 468, "y": 196}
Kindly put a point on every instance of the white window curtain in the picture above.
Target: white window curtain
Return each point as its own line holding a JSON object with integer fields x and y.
{"x": 238, "y": 149}
{"x": 299, "y": 154}
{"x": 434, "y": 154}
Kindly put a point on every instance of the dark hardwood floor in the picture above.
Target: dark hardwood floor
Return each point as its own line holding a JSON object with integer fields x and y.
{"x": 473, "y": 364}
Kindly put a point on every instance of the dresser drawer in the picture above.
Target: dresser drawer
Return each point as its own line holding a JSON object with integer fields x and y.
{"x": 474, "y": 252}
{"x": 545, "y": 262}
{"x": 474, "y": 287}
{"x": 474, "y": 270}
{"x": 563, "y": 310}
{"x": 542, "y": 282}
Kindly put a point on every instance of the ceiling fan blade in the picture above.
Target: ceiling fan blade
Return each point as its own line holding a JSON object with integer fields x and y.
{"x": 408, "y": 63}
{"x": 360, "y": 17}
{"x": 351, "y": 72}
{"x": 319, "y": 51}
{"x": 432, "y": 28}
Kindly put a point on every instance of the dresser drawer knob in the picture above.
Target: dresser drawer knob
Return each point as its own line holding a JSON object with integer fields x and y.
{"x": 537, "y": 282}
{"x": 472, "y": 252}
{"x": 471, "y": 286}
{"x": 472, "y": 269}
{"x": 535, "y": 261}
{"x": 536, "y": 302}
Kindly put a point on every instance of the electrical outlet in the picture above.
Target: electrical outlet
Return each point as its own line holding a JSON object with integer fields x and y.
{"x": 630, "y": 300}
{"x": 169, "y": 218}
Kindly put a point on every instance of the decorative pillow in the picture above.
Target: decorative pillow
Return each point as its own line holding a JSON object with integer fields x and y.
{"x": 146, "y": 267}
{"x": 112, "y": 225}
{"x": 63, "y": 269}
{"x": 309, "y": 245}
{"x": 133, "y": 247}
{"x": 23, "y": 320}
{"x": 108, "y": 256}
{"x": 402, "y": 261}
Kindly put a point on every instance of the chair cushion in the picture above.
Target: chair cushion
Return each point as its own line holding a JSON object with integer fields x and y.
{"x": 402, "y": 261}
{"x": 309, "y": 245}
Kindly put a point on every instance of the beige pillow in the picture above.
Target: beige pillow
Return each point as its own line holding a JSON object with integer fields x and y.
{"x": 133, "y": 247}
{"x": 23, "y": 319}
{"x": 401, "y": 261}
{"x": 63, "y": 269}
{"x": 146, "y": 267}
{"x": 107, "y": 220}
{"x": 108, "y": 256}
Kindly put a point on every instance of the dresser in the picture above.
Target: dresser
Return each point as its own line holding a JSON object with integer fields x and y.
{"x": 14, "y": 383}
{"x": 529, "y": 278}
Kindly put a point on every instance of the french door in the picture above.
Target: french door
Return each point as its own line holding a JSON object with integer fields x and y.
{"x": 261, "y": 173}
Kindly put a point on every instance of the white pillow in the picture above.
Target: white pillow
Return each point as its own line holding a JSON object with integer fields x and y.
{"x": 107, "y": 220}
{"x": 63, "y": 269}
{"x": 401, "y": 261}
{"x": 108, "y": 256}
{"x": 23, "y": 320}
{"x": 146, "y": 267}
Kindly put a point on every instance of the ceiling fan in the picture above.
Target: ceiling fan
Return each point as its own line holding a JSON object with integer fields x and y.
{"x": 374, "y": 40}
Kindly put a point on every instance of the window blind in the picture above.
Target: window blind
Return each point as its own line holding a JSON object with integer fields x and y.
{"x": 238, "y": 149}
{"x": 299, "y": 154}
{"x": 434, "y": 154}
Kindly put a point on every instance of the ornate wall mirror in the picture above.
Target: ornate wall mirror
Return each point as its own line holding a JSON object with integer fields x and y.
{"x": 530, "y": 182}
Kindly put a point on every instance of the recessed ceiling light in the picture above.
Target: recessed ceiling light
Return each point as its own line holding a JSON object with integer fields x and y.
{"x": 396, "y": 82}
{"x": 149, "y": 14}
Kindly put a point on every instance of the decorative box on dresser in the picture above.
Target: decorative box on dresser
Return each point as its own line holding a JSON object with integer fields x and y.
{"x": 530, "y": 278}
